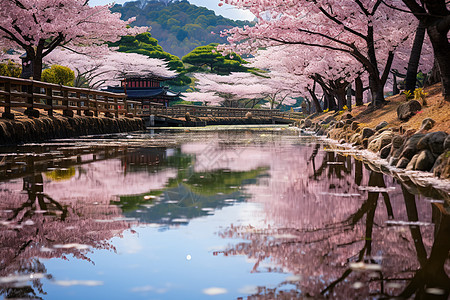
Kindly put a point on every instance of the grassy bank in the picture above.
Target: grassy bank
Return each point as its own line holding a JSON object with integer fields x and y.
{"x": 24, "y": 129}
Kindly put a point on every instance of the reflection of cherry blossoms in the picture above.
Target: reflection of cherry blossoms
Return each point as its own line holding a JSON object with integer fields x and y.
{"x": 334, "y": 234}
{"x": 44, "y": 216}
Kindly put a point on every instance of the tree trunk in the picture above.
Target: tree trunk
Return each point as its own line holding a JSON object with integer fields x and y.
{"x": 331, "y": 104}
{"x": 37, "y": 68}
{"x": 359, "y": 91}
{"x": 441, "y": 47}
{"x": 414, "y": 58}
{"x": 349, "y": 97}
{"x": 340, "y": 95}
{"x": 435, "y": 75}
{"x": 395, "y": 90}
{"x": 315, "y": 101}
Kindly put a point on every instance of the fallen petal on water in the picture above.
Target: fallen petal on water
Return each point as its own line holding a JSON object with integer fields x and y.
{"x": 360, "y": 266}
{"x": 212, "y": 291}
{"x": 78, "y": 282}
{"x": 73, "y": 245}
{"x": 294, "y": 278}
{"x": 435, "y": 291}
{"x": 357, "y": 285}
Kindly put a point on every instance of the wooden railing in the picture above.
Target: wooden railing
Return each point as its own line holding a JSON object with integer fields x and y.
{"x": 179, "y": 111}
{"x": 32, "y": 94}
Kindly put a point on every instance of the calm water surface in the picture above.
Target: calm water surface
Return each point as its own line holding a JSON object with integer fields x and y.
{"x": 226, "y": 214}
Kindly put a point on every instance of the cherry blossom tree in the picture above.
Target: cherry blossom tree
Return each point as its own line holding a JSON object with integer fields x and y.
{"x": 304, "y": 67}
{"x": 246, "y": 89}
{"x": 108, "y": 69}
{"x": 366, "y": 30}
{"x": 207, "y": 98}
{"x": 40, "y": 26}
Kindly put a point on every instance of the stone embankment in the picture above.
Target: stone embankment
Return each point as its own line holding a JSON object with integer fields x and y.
{"x": 25, "y": 129}
{"x": 403, "y": 148}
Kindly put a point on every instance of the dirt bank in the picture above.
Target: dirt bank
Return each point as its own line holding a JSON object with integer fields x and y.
{"x": 410, "y": 135}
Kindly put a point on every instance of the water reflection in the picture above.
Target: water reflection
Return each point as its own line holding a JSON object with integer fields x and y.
{"x": 191, "y": 193}
{"x": 332, "y": 230}
{"x": 335, "y": 227}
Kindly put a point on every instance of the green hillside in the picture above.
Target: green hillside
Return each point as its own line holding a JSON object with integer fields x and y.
{"x": 178, "y": 26}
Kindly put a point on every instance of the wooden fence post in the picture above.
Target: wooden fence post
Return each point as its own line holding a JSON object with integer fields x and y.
{"x": 7, "y": 114}
{"x": 49, "y": 101}
{"x": 66, "y": 111}
{"x": 95, "y": 105}
{"x": 30, "y": 111}
{"x": 116, "y": 105}
{"x": 79, "y": 103}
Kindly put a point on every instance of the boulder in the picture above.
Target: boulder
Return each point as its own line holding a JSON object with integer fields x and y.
{"x": 340, "y": 124}
{"x": 433, "y": 141}
{"x": 397, "y": 141}
{"x": 402, "y": 163}
{"x": 328, "y": 120}
{"x": 410, "y": 146}
{"x": 347, "y": 116}
{"x": 384, "y": 152}
{"x": 381, "y": 141}
{"x": 425, "y": 161}
{"x": 354, "y": 125}
{"x": 397, "y": 146}
{"x": 367, "y": 132}
{"x": 381, "y": 125}
{"x": 412, "y": 163}
{"x": 447, "y": 143}
{"x": 365, "y": 143}
{"x": 427, "y": 124}
{"x": 441, "y": 167}
{"x": 408, "y": 109}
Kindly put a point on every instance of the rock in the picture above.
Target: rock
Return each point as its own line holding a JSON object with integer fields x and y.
{"x": 355, "y": 139}
{"x": 410, "y": 146}
{"x": 308, "y": 123}
{"x": 409, "y": 132}
{"x": 402, "y": 163}
{"x": 384, "y": 152}
{"x": 367, "y": 132}
{"x": 249, "y": 115}
{"x": 381, "y": 141}
{"x": 408, "y": 109}
{"x": 447, "y": 143}
{"x": 347, "y": 116}
{"x": 381, "y": 125}
{"x": 412, "y": 163}
{"x": 393, "y": 161}
{"x": 425, "y": 161}
{"x": 427, "y": 124}
{"x": 354, "y": 125}
{"x": 397, "y": 141}
{"x": 340, "y": 124}
{"x": 365, "y": 143}
{"x": 441, "y": 167}
{"x": 433, "y": 141}
{"x": 328, "y": 120}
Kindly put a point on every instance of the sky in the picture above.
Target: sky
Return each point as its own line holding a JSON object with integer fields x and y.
{"x": 226, "y": 10}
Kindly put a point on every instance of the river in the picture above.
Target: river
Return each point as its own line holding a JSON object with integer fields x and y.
{"x": 229, "y": 213}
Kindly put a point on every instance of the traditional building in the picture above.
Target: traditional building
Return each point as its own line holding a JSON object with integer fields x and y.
{"x": 145, "y": 89}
